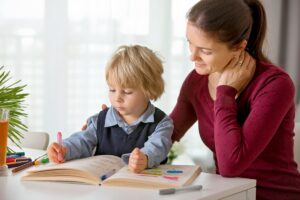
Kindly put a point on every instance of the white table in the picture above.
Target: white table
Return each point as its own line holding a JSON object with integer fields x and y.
{"x": 214, "y": 187}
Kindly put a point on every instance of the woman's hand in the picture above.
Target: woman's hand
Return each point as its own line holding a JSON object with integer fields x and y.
{"x": 54, "y": 150}
{"x": 137, "y": 161}
{"x": 238, "y": 72}
{"x": 103, "y": 106}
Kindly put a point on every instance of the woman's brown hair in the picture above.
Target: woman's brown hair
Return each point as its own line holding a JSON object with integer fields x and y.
{"x": 232, "y": 21}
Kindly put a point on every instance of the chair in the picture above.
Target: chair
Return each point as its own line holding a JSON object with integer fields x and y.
{"x": 35, "y": 140}
{"x": 297, "y": 144}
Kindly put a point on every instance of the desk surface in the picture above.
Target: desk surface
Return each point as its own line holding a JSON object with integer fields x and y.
{"x": 214, "y": 187}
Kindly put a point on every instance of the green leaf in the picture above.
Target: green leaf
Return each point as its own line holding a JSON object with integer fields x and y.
{"x": 12, "y": 97}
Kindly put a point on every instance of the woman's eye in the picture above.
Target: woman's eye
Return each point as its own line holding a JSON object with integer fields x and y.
{"x": 206, "y": 52}
{"x": 112, "y": 90}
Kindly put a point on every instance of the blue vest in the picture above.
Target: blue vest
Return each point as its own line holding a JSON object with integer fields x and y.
{"x": 115, "y": 141}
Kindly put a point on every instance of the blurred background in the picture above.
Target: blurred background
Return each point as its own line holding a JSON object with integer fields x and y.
{"x": 59, "y": 48}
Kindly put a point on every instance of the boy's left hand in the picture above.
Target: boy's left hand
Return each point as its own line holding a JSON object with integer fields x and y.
{"x": 137, "y": 161}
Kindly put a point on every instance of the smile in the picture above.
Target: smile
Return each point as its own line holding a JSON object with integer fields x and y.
{"x": 200, "y": 65}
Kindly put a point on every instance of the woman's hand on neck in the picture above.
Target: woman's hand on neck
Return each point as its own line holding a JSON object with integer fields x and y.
{"x": 238, "y": 73}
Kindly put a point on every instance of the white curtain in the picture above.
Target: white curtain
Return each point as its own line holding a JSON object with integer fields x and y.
{"x": 59, "y": 49}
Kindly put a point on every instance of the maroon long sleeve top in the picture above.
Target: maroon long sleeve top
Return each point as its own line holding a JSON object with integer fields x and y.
{"x": 251, "y": 136}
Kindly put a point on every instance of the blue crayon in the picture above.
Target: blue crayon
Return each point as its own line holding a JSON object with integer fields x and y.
{"x": 15, "y": 154}
{"x": 174, "y": 171}
{"x": 107, "y": 174}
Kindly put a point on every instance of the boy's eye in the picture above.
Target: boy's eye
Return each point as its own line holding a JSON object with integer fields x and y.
{"x": 127, "y": 92}
{"x": 112, "y": 90}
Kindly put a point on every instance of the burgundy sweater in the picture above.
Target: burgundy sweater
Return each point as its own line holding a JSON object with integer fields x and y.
{"x": 251, "y": 136}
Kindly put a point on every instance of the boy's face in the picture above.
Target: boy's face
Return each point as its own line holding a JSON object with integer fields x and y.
{"x": 130, "y": 103}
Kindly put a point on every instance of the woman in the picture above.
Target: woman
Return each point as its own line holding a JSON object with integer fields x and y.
{"x": 244, "y": 105}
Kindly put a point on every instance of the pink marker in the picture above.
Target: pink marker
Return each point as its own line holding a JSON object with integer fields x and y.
{"x": 59, "y": 141}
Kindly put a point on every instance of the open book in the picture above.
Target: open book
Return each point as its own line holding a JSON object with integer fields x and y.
{"x": 97, "y": 170}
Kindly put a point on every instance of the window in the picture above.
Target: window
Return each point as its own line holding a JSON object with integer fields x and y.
{"x": 59, "y": 48}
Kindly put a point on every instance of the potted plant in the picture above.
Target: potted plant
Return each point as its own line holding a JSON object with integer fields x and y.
{"x": 12, "y": 97}
{"x": 174, "y": 152}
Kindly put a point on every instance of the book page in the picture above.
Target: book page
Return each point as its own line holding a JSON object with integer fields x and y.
{"x": 164, "y": 176}
{"x": 77, "y": 170}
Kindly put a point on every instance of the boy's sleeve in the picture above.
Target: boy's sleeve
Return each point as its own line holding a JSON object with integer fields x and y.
{"x": 81, "y": 144}
{"x": 159, "y": 143}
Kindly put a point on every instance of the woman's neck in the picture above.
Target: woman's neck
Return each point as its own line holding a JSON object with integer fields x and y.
{"x": 213, "y": 80}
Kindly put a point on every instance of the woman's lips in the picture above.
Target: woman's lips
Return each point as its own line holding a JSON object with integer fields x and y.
{"x": 200, "y": 65}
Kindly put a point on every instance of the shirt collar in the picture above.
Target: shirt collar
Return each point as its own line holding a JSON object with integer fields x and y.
{"x": 113, "y": 118}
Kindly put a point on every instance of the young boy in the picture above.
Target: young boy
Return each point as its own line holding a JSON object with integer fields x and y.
{"x": 132, "y": 127}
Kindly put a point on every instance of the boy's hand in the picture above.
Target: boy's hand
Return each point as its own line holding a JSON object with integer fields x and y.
{"x": 54, "y": 150}
{"x": 137, "y": 161}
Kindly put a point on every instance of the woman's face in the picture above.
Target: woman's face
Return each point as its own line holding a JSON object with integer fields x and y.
{"x": 208, "y": 54}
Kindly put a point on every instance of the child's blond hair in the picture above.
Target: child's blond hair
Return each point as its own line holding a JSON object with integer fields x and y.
{"x": 136, "y": 66}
